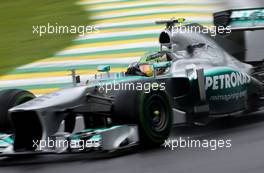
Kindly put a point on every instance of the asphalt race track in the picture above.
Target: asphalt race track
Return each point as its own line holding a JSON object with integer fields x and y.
{"x": 245, "y": 155}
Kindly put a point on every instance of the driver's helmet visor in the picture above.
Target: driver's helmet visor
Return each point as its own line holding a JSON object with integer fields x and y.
{"x": 147, "y": 69}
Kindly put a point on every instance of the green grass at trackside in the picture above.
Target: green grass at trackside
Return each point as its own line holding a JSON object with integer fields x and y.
{"x": 18, "y": 44}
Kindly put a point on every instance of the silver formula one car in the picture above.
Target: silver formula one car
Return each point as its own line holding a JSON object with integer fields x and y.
{"x": 192, "y": 79}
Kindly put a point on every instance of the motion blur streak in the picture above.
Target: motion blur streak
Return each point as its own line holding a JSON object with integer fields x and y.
{"x": 126, "y": 28}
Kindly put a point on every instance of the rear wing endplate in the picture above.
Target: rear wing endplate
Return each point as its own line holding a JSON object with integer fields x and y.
{"x": 241, "y": 19}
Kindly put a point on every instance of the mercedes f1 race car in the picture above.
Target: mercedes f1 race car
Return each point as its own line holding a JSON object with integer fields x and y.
{"x": 193, "y": 78}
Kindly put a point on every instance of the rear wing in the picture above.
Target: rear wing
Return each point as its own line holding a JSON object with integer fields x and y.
{"x": 241, "y": 19}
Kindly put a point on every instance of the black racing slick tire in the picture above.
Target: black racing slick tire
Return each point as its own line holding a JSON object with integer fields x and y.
{"x": 8, "y": 99}
{"x": 150, "y": 111}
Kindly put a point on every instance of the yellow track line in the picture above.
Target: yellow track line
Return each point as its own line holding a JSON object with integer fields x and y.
{"x": 108, "y": 43}
{"x": 53, "y": 74}
{"x": 43, "y": 91}
{"x": 154, "y": 17}
{"x": 116, "y": 30}
{"x": 89, "y": 57}
{"x": 202, "y": 7}
{"x": 112, "y": 43}
{"x": 113, "y": 4}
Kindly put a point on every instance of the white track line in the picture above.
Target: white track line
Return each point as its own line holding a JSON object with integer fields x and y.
{"x": 40, "y": 81}
{"x": 150, "y": 11}
{"x": 80, "y": 62}
{"x": 118, "y": 34}
{"x": 150, "y": 21}
{"x": 94, "y": 2}
{"x": 139, "y": 3}
{"x": 109, "y": 48}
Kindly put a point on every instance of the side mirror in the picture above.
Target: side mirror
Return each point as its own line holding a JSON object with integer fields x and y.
{"x": 103, "y": 68}
{"x": 161, "y": 65}
{"x": 190, "y": 48}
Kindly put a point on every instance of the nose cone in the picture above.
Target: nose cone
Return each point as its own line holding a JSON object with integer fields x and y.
{"x": 62, "y": 98}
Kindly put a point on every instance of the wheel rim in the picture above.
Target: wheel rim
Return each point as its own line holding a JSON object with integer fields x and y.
{"x": 156, "y": 112}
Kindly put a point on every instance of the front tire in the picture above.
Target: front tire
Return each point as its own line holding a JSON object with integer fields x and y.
{"x": 150, "y": 111}
{"x": 8, "y": 99}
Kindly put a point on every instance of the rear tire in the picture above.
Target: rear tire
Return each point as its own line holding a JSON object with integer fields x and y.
{"x": 8, "y": 99}
{"x": 150, "y": 111}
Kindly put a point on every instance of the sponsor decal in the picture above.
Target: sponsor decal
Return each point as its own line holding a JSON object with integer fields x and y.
{"x": 225, "y": 81}
{"x": 228, "y": 97}
{"x": 247, "y": 13}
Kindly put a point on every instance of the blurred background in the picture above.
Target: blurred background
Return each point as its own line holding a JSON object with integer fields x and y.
{"x": 18, "y": 43}
{"x": 126, "y": 30}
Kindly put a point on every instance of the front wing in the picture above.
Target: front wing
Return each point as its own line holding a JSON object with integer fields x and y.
{"x": 86, "y": 141}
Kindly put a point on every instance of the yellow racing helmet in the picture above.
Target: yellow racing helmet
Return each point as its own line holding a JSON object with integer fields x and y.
{"x": 147, "y": 69}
